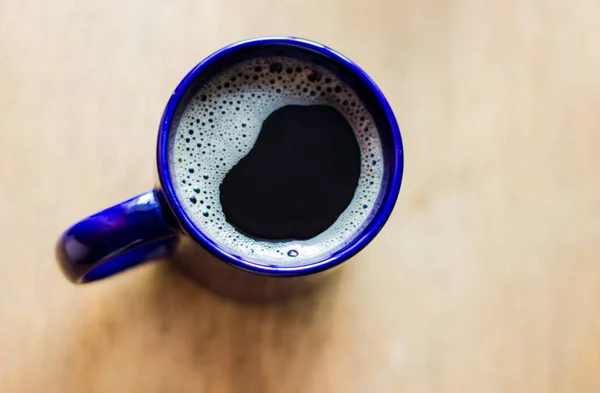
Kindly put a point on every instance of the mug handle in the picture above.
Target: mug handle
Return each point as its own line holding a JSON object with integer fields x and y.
{"x": 117, "y": 238}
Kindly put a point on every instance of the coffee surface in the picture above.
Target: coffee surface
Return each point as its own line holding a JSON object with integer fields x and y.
{"x": 298, "y": 178}
{"x": 218, "y": 133}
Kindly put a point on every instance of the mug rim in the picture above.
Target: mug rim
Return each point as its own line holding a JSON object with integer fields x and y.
{"x": 355, "y": 245}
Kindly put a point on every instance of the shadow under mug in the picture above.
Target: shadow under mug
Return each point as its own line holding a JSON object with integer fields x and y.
{"x": 149, "y": 225}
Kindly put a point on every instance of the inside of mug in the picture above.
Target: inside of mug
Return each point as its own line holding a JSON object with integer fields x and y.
{"x": 365, "y": 89}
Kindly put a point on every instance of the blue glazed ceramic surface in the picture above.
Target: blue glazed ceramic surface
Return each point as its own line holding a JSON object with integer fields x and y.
{"x": 115, "y": 239}
{"x": 148, "y": 225}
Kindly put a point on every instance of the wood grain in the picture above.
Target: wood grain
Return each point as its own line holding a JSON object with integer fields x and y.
{"x": 486, "y": 278}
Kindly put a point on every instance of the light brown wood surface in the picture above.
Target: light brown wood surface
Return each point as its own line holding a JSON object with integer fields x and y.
{"x": 486, "y": 278}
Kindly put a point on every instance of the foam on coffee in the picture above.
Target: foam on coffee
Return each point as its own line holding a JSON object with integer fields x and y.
{"x": 220, "y": 125}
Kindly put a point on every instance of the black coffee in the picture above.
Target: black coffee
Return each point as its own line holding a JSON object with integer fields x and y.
{"x": 277, "y": 161}
{"x": 298, "y": 178}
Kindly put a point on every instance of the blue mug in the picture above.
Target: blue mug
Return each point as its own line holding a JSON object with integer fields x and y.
{"x": 149, "y": 225}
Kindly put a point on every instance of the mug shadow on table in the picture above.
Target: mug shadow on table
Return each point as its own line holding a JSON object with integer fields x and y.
{"x": 229, "y": 330}
{"x": 235, "y": 284}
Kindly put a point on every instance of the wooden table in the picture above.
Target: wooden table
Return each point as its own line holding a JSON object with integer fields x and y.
{"x": 486, "y": 279}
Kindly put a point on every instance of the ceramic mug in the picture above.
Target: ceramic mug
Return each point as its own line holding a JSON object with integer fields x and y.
{"x": 149, "y": 225}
